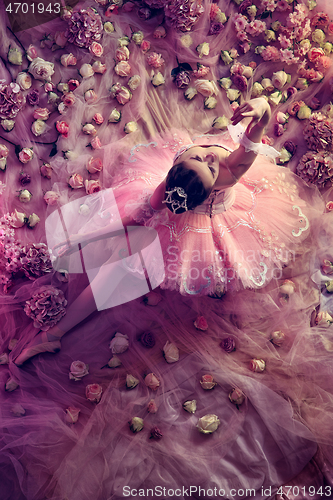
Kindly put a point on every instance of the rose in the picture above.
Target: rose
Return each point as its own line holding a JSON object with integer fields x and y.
{"x": 329, "y": 206}
{"x": 68, "y": 60}
{"x": 155, "y": 433}
{"x": 240, "y": 82}
{"x": 124, "y": 95}
{"x": 131, "y": 381}
{"x": 275, "y": 98}
{"x": 17, "y": 410}
{"x": 159, "y": 32}
{"x": 152, "y": 407}
{"x": 282, "y": 117}
{"x": 95, "y": 143}
{"x": 257, "y": 365}
{"x": 25, "y": 155}
{"x": 203, "y": 49}
{"x": 98, "y": 119}
{"x": 31, "y": 53}
{"x": 11, "y": 385}
{"x": 228, "y": 344}
{"x": 4, "y": 151}
{"x": 145, "y": 46}
{"x": 137, "y": 37}
{"x": 278, "y": 129}
{"x": 295, "y": 107}
{"x": 208, "y": 424}
{"x": 24, "y": 178}
{"x": 24, "y": 80}
{"x": 147, "y": 339}
{"x": 123, "y": 68}
{"x": 329, "y": 284}
{"x": 324, "y": 319}
{"x": 53, "y": 98}
{"x": 302, "y": 84}
{"x": 190, "y": 406}
{"x": 89, "y": 129}
{"x": 225, "y": 83}
{"x": 233, "y": 94}
{"x": 210, "y": 102}
{"x": 221, "y": 122}
{"x": 94, "y": 165}
{"x": 280, "y": 78}
{"x": 152, "y": 381}
{"x": 94, "y": 393}
{"x": 152, "y": 299}
{"x": 226, "y": 57}
{"x": 278, "y": 338}
{"x": 41, "y": 70}
{"x": 76, "y": 181}
{"x": 78, "y": 369}
{"x": 63, "y": 128}
{"x": 267, "y": 84}
{"x": 14, "y": 56}
{"x": 136, "y": 424}
{"x": 314, "y": 76}
{"x": 236, "y": 396}
{"x": 202, "y": 71}
{"x": 171, "y": 352}
{"x": 290, "y": 147}
{"x": 4, "y": 359}
{"x": 304, "y": 112}
{"x": 92, "y": 186}
{"x": 72, "y": 415}
{"x": 284, "y": 156}
{"x": 123, "y": 41}
{"x": 86, "y": 70}
{"x": 130, "y": 127}
{"x": 41, "y": 114}
{"x": 108, "y": 27}
{"x": 314, "y": 53}
{"x": 60, "y": 38}
{"x": 7, "y": 125}
{"x": 288, "y": 287}
{"x": 96, "y": 49}
{"x": 38, "y": 127}
{"x": 33, "y": 220}
{"x": 51, "y": 198}
{"x": 115, "y": 116}
{"x": 122, "y": 54}
{"x": 46, "y": 170}
{"x": 68, "y": 99}
{"x": 323, "y": 63}
{"x": 201, "y": 324}
{"x": 17, "y": 219}
{"x": 318, "y": 36}
{"x": 99, "y": 67}
{"x": 119, "y": 343}
{"x": 155, "y": 60}
{"x": 207, "y": 382}
{"x": 73, "y": 84}
{"x": 33, "y": 97}
{"x": 114, "y": 362}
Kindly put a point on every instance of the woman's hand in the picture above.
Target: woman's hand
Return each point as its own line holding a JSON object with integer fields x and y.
{"x": 70, "y": 246}
{"x": 258, "y": 109}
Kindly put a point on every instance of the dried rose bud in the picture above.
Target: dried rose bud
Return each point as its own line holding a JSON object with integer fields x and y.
{"x": 155, "y": 433}
{"x": 207, "y": 382}
{"x": 24, "y": 178}
{"x": 236, "y": 396}
{"x": 201, "y": 324}
{"x": 152, "y": 381}
{"x": 147, "y": 339}
{"x": 278, "y": 338}
{"x": 119, "y": 343}
{"x": 257, "y": 365}
{"x": 152, "y": 407}
{"x": 190, "y": 406}
{"x": 136, "y": 424}
{"x": 72, "y": 415}
{"x": 171, "y": 352}
{"x": 182, "y": 79}
{"x": 131, "y": 381}
{"x": 114, "y": 362}
{"x": 228, "y": 344}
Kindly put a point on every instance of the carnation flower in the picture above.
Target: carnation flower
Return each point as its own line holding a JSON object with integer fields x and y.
{"x": 46, "y": 307}
{"x": 183, "y": 15}
{"x": 84, "y": 27}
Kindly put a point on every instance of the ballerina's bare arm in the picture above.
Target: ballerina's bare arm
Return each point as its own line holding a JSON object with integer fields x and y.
{"x": 239, "y": 161}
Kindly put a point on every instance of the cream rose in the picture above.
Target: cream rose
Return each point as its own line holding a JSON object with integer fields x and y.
{"x": 210, "y": 102}
{"x": 136, "y": 424}
{"x": 123, "y": 68}
{"x": 114, "y": 362}
{"x": 33, "y": 220}
{"x": 275, "y": 98}
{"x": 225, "y": 83}
{"x": 134, "y": 82}
{"x": 25, "y": 196}
{"x": 221, "y": 122}
{"x": 18, "y": 219}
{"x": 190, "y": 406}
{"x": 208, "y": 424}
{"x": 99, "y": 67}
{"x": 68, "y": 60}
{"x": 233, "y": 94}
{"x": 38, "y": 127}
{"x": 318, "y": 36}
{"x": 90, "y": 96}
{"x": 86, "y": 70}
{"x": 41, "y": 114}
{"x": 108, "y": 27}
{"x": 7, "y": 125}
{"x": 257, "y": 89}
{"x": 76, "y": 181}
{"x": 203, "y": 49}
{"x": 130, "y": 127}
{"x": 24, "y": 80}
{"x": 89, "y": 129}
{"x": 115, "y": 116}
{"x": 190, "y": 93}
{"x": 171, "y": 352}
{"x": 226, "y": 57}
{"x": 78, "y": 370}
{"x": 94, "y": 393}
{"x": 14, "y": 56}
{"x": 124, "y": 95}
{"x": 152, "y": 381}
{"x": 304, "y": 112}
{"x": 72, "y": 415}
{"x": 206, "y": 88}
{"x": 236, "y": 396}
{"x": 51, "y": 197}
{"x": 41, "y": 70}
{"x": 288, "y": 287}
{"x": 122, "y": 54}
{"x": 278, "y": 338}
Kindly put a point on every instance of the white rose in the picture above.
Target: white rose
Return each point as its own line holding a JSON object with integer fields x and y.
{"x": 288, "y": 287}
{"x": 324, "y": 319}
{"x": 190, "y": 406}
{"x": 257, "y": 89}
{"x": 233, "y": 94}
{"x": 221, "y": 122}
{"x": 208, "y": 424}
{"x": 38, "y": 127}
{"x": 210, "y": 102}
{"x": 158, "y": 79}
{"x": 267, "y": 84}
{"x": 275, "y": 98}
{"x": 130, "y": 127}
{"x": 136, "y": 424}
{"x": 278, "y": 338}
{"x": 115, "y": 116}
{"x": 99, "y": 67}
{"x": 226, "y": 57}
{"x": 108, "y": 27}
{"x": 33, "y": 220}
{"x": 3, "y": 164}
{"x": 7, "y": 125}
{"x": 134, "y": 82}
{"x": 86, "y": 70}
{"x": 280, "y": 78}
{"x": 89, "y": 129}
{"x": 119, "y": 343}
{"x": 236, "y": 396}
{"x": 41, "y": 70}
{"x": 114, "y": 362}
{"x": 171, "y": 352}
{"x": 206, "y": 88}
{"x": 225, "y": 83}
{"x": 25, "y": 196}
{"x": 203, "y": 49}
{"x": 24, "y": 80}
{"x": 284, "y": 156}
{"x": 190, "y": 93}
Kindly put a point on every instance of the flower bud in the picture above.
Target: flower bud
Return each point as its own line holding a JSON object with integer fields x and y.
{"x": 190, "y": 406}
{"x": 208, "y": 424}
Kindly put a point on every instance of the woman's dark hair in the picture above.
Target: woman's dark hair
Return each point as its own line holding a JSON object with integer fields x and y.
{"x": 180, "y": 176}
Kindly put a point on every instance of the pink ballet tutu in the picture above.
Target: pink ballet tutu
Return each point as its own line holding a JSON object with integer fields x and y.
{"x": 253, "y": 230}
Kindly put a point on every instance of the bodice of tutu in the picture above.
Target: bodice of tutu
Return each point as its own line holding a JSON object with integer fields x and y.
{"x": 217, "y": 202}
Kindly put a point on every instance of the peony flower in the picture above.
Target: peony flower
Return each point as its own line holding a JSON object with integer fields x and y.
{"x": 94, "y": 393}
{"x": 78, "y": 370}
{"x": 24, "y": 196}
{"x": 24, "y": 80}
{"x": 278, "y": 338}
{"x": 99, "y": 67}
{"x": 221, "y": 122}
{"x": 119, "y": 343}
{"x": 155, "y": 433}
{"x": 96, "y": 49}
{"x": 190, "y": 406}
{"x": 33, "y": 220}
{"x": 182, "y": 79}
{"x": 68, "y": 60}
{"x": 89, "y": 129}
{"x": 72, "y": 415}
{"x": 95, "y": 143}
{"x": 208, "y": 424}
{"x": 147, "y": 339}
{"x": 136, "y": 424}
{"x": 4, "y": 359}
{"x": 240, "y": 82}
{"x": 157, "y": 80}
{"x": 257, "y": 365}
{"x": 11, "y": 385}
{"x": 76, "y": 181}
{"x": 92, "y": 186}
{"x": 152, "y": 381}
{"x": 131, "y": 381}
{"x": 94, "y": 165}
{"x": 46, "y": 170}
{"x": 324, "y": 319}
{"x": 63, "y": 128}
{"x": 38, "y": 127}
{"x": 86, "y": 70}
{"x": 171, "y": 352}
{"x": 46, "y": 307}
{"x": 207, "y": 382}
{"x": 155, "y": 60}
{"x": 115, "y": 116}
{"x": 114, "y": 362}
{"x": 41, "y": 70}
{"x": 17, "y": 410}
{"x": 228, "y": 344}
{"x": 236, "y": 396}
{"x": 201, "y": 324}
{"x": 17, "y": 219}
{"x": 203, "y": 49}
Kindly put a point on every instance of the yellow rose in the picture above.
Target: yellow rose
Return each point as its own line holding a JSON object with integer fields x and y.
{"x": 318, "y": 36}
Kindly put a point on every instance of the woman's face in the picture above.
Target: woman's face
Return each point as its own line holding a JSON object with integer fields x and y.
{"x": 203, "y": 161}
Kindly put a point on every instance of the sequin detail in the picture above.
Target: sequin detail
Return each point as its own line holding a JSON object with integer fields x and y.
{"x": 304, "y": 219}
{"x": 136, "y": 149}
{"x": 262, "y": 275}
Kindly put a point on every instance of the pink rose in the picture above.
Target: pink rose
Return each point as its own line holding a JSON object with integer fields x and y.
{"x": 60, "y": 38}
{"x": 78, "y": 370}
{"x": 122, "y": 54}
{"x": 73, "y": 84}
{"x": 96, "y": 49}
{"x": 155, "y": 60}
{"x": 51, "y": 197}
{"x": 207, "y": 382}
{"x": 31, "y": 53}
{"x": 25, "y": 155}
{"x": 314, "y": 53}
{"x": 257, "y": 365}
{"x": 18, "y": 219}
{"x": 281, "y": 117}
{"x": 152, "y": 407}
{"x": 41, "y": 114}
{"x": 46, "y": 170}
{"x": 123, "y": 95}
{"x": 90, "y": 96}
{"x": 76, "y": 181}
{"x": 41, "y": 70}
{"x": 278, "y": 129}
{"x": 330, "y": 29}
{"x": 119, "y": 343}
{"x": 99, "y": 67}
{"x": 236, "y": 396}
{"x": 4, "y": 151}
{"x": 68, "y": 99}
{"x": 49, "y": 87}
{"x": 201, "y": 323}
{"x": 96, "y": 143}
{"x": 94, "y": 165}
{"x": 63, "y": 128}
{"x": 92, "y": 186}
{"x": 72, "y": 415}
{"x": 94, "y": 393}
{"x": 329, "y": 206}
{"x": 314, "y": 76}
{"x": 123, "y": 68}
{"x": 24, "y": 80}
{"x": 98, "y": 118}
{"x": 89, "y": 129}
{"x": 240, "y": 82}
{"x": 145, "y": 46}
{"x": 68, "y": 60}
{"x": 152, "y": 381}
